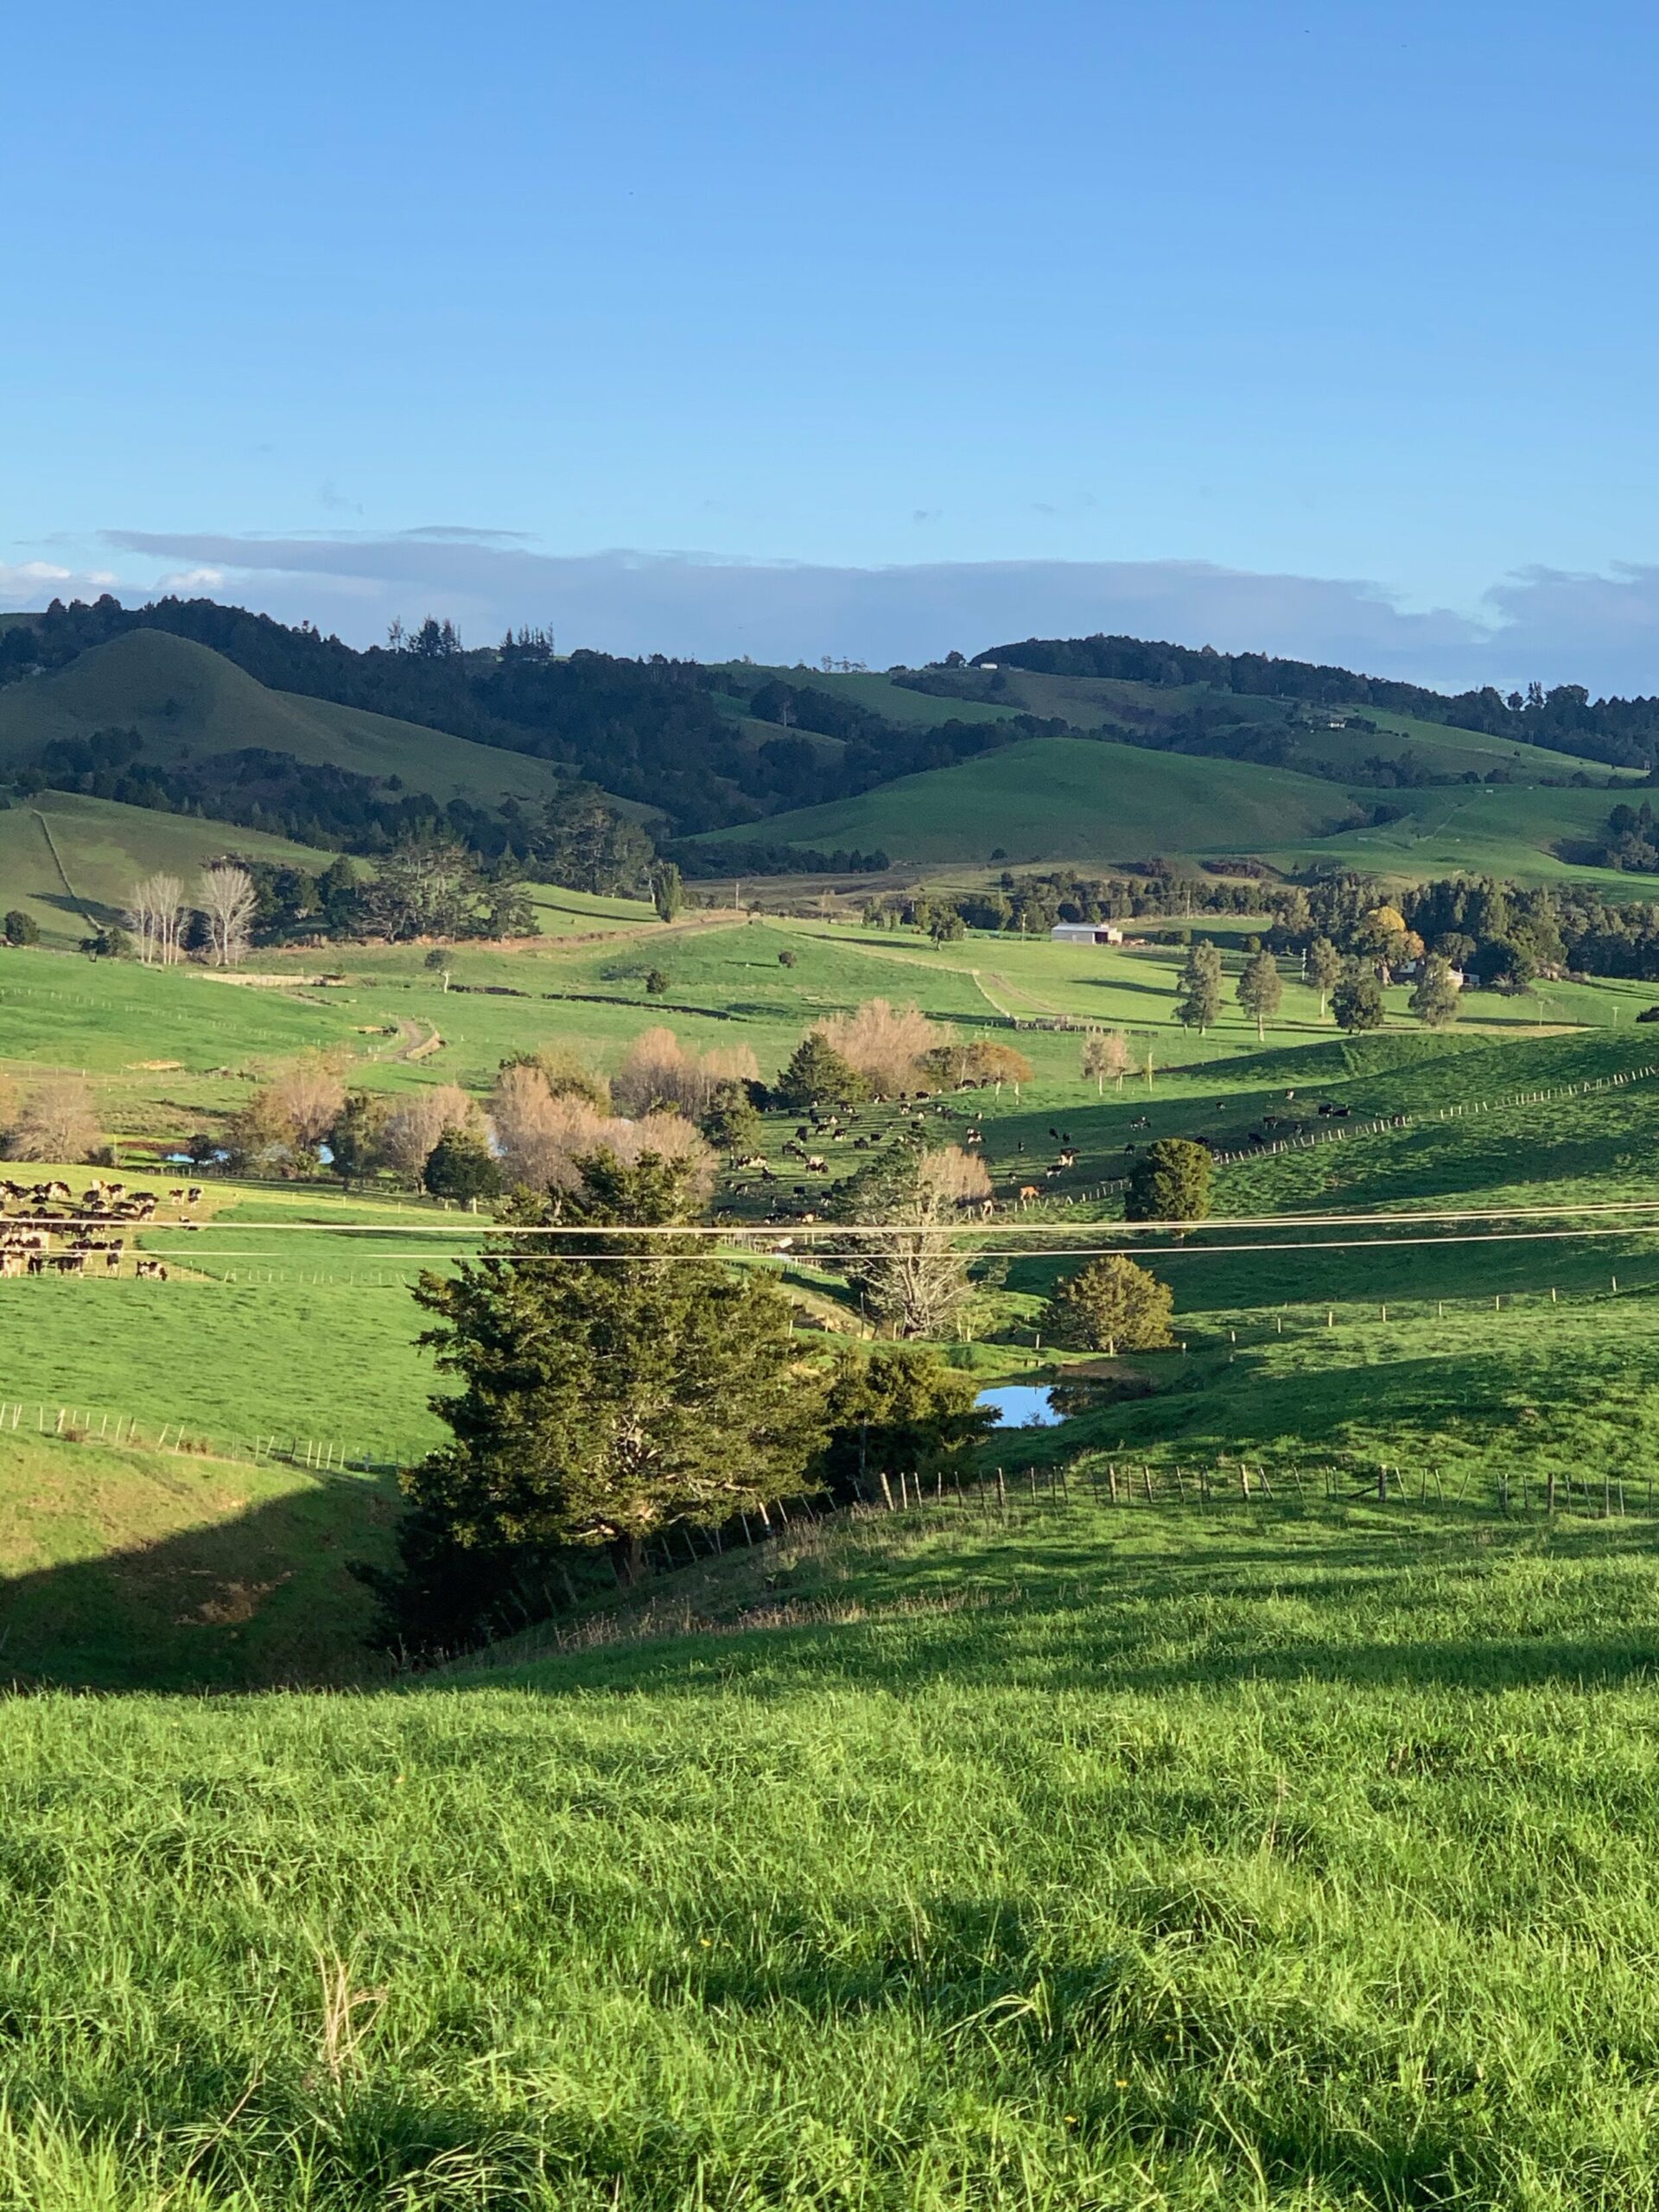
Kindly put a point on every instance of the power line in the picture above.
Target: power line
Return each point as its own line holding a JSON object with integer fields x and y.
{"x": 797, "y": 1230}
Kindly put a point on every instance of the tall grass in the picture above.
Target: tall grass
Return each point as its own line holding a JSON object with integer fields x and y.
{"x": 1288, "y": 1862}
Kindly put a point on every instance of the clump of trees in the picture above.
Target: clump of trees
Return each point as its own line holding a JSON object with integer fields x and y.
{"x": 1110, "y": 1306}
{"x": 884, "y": 1044}
{"x": 20, "y": 928}
{"x": 543, "y": 1136}
{"x": 281, "y": 1126}
{"x": 977, "y": 1063}
{"x": 1106, "y": 1054}
{"x": 659, "y": 1074}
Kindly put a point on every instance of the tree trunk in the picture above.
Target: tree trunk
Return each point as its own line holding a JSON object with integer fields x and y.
{"x": 627, "y": 1560}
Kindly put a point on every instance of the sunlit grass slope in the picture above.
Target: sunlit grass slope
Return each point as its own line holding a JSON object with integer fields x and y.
{"x": 1065, "y": 798}
{"x": 1140, "y": 1857}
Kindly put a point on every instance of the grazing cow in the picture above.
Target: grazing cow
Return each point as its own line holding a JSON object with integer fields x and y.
{"x": 151, "y": 1271}
{"x": 1027, "y": 1191}
{"x": 816, "y": 1164}
{"x": 13, "y": 1263}
{"x": 192, "y": 1197}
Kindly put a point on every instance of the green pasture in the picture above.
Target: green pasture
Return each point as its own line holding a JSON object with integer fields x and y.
{"x": 1071, "y": 798}
{"x": 1506, "y": 829}
{"x": 105, "y": 848}
{"x": 1267, "y": 1855}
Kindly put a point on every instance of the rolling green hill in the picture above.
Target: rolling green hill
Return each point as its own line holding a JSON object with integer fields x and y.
{"x": 184, "y": 697}
{"x": 1510, "y": 829}
{"x": 1088, "y": 701}
{"x": 1076, "y": 798}
{"x": 103, "y": 848}
{"x": 1067, "y": 797}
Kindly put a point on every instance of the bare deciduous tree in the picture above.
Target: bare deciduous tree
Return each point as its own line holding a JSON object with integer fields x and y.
{"x": 155, "y": 917}
{"x": 1106, "y": 1053}
{"x": 56, "y": 1121}
{"x": 226, "y": 895}
{"x": 308, "y": 1094}
{"x": 885, "y": 1043}
{"x": 416, "y": 1122}
{"x": 540, "y": 1134}
{"x": 657, "y": 1070}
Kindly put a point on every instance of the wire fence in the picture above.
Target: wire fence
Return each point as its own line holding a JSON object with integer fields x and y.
{"x": 92, "y": 1425}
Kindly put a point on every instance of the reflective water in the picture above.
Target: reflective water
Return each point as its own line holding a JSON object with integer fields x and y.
{"x": 1021, "y": 1405}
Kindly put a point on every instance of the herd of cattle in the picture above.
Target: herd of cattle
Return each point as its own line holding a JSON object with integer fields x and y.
{"x": 754, "y": 1176}
{"x": 56, "y": 1231}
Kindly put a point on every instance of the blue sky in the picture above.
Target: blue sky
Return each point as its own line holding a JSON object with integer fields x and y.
{"x": 862, "y": 328}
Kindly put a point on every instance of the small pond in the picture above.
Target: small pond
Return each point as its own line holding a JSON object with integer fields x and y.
{"x": 1021, "y": 1405}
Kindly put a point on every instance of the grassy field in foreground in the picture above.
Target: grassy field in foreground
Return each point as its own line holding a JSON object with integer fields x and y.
{"x": 1290, "y": 1860}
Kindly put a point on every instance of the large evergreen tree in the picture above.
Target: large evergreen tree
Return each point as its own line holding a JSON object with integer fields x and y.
{"x": 1110, "y": 1306}
{"x": 1170, "y": 1182}
{"x": 1437, "y": 1000}
{"x": 1357, "y": 1002}
{"x": 1198, "y": 1005}
{"x": 817, "y": 1076}
{"x": 899, "y": 1411}
{"x": 611, "y": 1387}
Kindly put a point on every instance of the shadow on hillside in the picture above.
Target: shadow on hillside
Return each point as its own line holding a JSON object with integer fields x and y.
{"x": 1277, "y": 1600}
{"x": 260, "y": 1600}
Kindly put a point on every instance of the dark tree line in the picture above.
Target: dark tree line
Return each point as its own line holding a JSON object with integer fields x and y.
{"x": 669, "y": 733}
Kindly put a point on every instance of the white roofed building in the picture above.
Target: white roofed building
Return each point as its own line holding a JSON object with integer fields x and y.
{"x": 1086, "y": 933}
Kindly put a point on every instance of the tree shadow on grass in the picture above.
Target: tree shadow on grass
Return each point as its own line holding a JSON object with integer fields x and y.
{"x": 260, "y": 1599}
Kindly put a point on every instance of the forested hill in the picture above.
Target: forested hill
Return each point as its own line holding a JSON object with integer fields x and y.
{"x": 1624, "y": 733}
{"x": 710, "y": 748}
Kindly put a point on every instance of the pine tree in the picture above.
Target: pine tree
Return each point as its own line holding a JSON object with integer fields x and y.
{"x": 817, "y": 1076}
{"x": 611, "y": 1388}
{"x": 1357, "y": 1002}
{"x": 461, "y": 1166}
{"x": 899, "y": 1411}
{"x": 1323, "y": 970}
{"x": 1198, "y": 1004}
{"x": 1437, "y": 1000}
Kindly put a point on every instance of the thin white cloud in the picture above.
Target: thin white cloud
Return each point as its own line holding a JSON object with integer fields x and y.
{"x": 1602, "y": 631}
